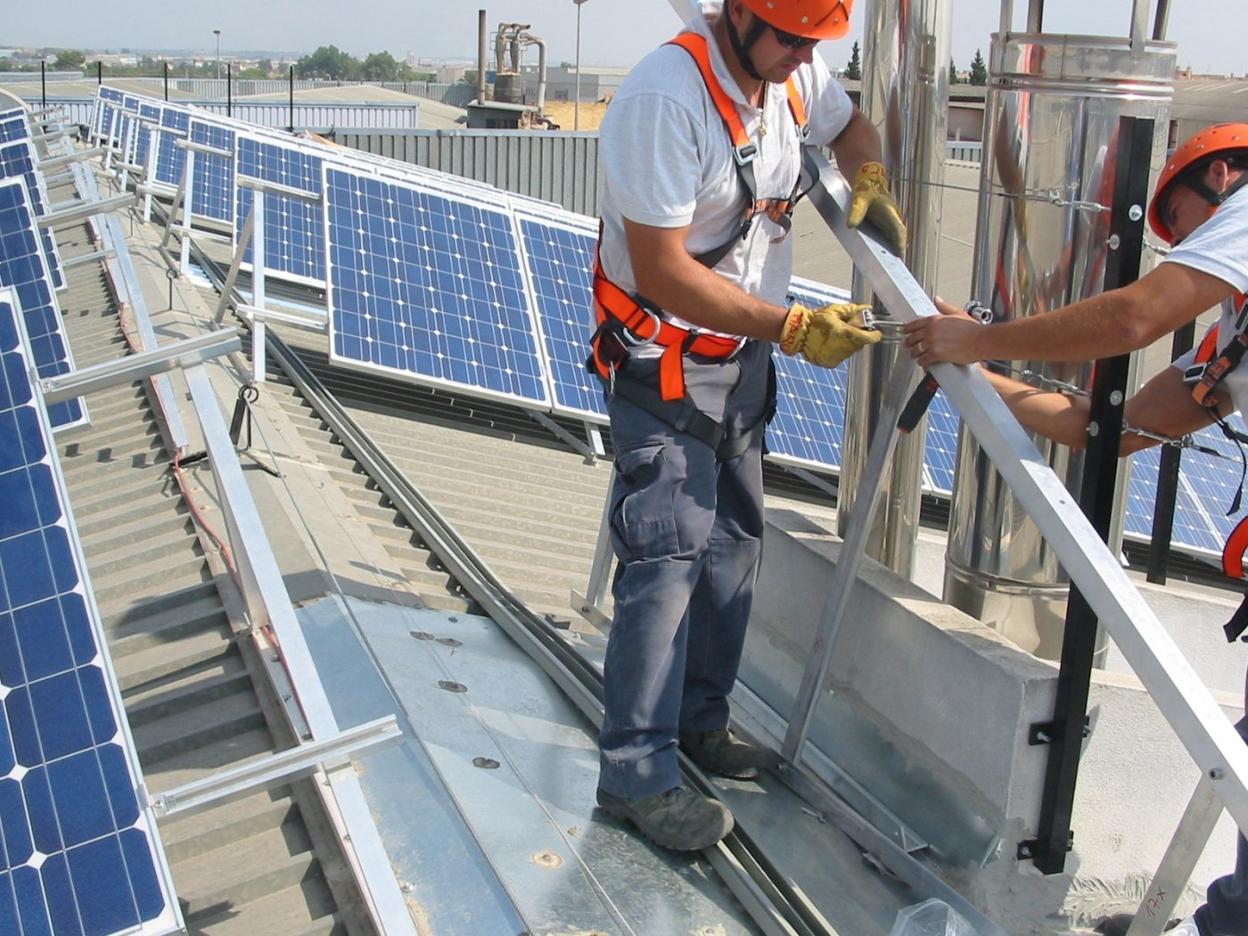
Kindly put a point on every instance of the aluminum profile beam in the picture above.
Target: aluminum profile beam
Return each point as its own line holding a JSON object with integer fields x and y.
{"x": 1187, "y": 705}
{"x": 184, "y": 353}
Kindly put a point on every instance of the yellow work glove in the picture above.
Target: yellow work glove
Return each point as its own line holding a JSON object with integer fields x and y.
{"x": 872, "y": 199}
{"x": 828, "y": 335}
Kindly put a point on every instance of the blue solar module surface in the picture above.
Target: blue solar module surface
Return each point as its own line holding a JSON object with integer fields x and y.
{"x": 213, "y": 185}
{"x": 76, "y": 853}
{"x": 17, "y": 161}
{"x": 143, "y": 135}
{"x": 940, "y": 449}
{"x": 175, "y": 124}
{"x": 22, "y": 267}
{"x": 429, "y": 287}
{"x": 560, "y": 262}
{"x": 294, "y": 229}
{"x": 13, "y": 126}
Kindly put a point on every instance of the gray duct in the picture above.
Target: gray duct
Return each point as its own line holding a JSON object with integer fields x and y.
{"x": 905, "y": 94}
{"x": 1051, "y": 118}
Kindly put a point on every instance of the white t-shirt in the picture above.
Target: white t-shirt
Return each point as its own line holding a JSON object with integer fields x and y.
{"x": 1219, "y": 247}
{"x": 668, "y": 161}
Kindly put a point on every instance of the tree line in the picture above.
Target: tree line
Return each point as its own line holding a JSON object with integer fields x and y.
{"x": 978, "y": 74}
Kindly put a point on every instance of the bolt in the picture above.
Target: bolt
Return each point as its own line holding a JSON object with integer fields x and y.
{"x": 1093, "y": 429}
{"x": 1115, "y": 398}
{"x": 1216, "y": 773}
{"x": 1114, "y": 242}
{"x": 1043, "y": 737}
{"x": 1135, "y": 212}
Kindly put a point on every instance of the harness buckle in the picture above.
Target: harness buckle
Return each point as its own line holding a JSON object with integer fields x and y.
{"x": 744, "y": 155}
{"x": 626, "y": 334}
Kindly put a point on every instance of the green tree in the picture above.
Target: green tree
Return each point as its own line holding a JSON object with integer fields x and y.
{"x": 979, "y": 71}
{"x": 69, "y": 60}
{"x": 853, "y": 71}
{"x": 381, "y": 66}
{"x": 327, "y": 62}
{"x": 953, "y": 72}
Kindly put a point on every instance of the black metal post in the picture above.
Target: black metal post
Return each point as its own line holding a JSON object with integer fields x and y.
{"x": 166, "y": 81}
{"x": 43, "y": 84}
{"x": 1167, "y": 482}
{"x": 1064, "y": 734}
{"x": 229, "y": 89}
{"x": 291, "y": 128}
{"x": 99, "y": 73}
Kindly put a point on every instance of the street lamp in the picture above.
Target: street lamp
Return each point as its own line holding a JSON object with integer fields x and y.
{"x": 217, "y": 33}
{"x": 576, "y": 101}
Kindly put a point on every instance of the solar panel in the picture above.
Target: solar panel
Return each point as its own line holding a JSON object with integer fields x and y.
{"x": 175, "y": 124}
{"x": 13, "y": 126}
{"x": 78, "y": 851}
{"x": 17, "y": 161}
{"x": 213, "y": 185}
{"x": 22, "y": 267}
{"x": 559, "y": 257}
{"x": 294, "y": 229}
{"x": 940, "y": 450}
{"x": 144, "y": 133}
{"x": 427, "y": 287}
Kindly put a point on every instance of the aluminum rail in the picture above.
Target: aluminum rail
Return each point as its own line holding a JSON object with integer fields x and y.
{"x": 1184, "y": 701}
{"x": 775, "y": 905}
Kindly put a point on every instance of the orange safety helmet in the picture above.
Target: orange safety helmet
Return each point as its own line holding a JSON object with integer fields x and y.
{"x": 813, "y": 19}
{"x": 1200, "y": 146}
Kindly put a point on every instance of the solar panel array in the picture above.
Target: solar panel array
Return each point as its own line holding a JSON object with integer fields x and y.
{"x": 17, "y": 161}
{"x": 78, "y": 852}
{"x": 451, "y": 282}
{"x": 24, "y": 268}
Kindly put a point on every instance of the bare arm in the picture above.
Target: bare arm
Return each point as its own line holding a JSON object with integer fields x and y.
{"x": 670, "y": 277}
{"x": 858, "y": 143}
{"x": 1114, "y": 322}
{"x": 1163, "y": 406}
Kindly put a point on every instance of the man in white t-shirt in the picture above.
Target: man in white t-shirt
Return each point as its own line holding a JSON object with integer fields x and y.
{"x": 1201, "y": 208}
{"x": 702, "y": 148}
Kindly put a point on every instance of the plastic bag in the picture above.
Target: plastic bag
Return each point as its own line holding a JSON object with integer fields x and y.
{"x": 931, "y": 918}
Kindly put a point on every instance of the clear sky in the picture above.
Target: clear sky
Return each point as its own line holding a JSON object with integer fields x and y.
{"x": 1210, "y": 33}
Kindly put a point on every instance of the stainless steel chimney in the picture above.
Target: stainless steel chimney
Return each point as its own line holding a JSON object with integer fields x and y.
{"x": 905, "y": 94}
{"x": 1051, "y": 118}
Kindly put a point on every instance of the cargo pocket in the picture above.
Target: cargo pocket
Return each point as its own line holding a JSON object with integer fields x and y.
{"x": 643, "y": 522}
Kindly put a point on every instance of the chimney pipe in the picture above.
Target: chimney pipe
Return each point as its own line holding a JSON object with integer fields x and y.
{"x": 482, "y": 47}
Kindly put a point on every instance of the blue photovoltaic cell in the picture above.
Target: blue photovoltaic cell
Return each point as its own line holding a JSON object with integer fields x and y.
{"x": 22, "y": 267}
{"x": 170, "y": 158}
{"x": 17, "y": 161}
{"x": 430, "y": 287}
{"x": 940, "y": 450}
{"x": 560, "y": 263}
{"x": 76, "y": 853}
{"x": 294, "y": 229}
{"x": 130, "y": 103}
{"x": 214, "y": 175}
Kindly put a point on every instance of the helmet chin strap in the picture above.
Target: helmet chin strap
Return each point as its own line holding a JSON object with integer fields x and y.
{"x": 742, "y": 46}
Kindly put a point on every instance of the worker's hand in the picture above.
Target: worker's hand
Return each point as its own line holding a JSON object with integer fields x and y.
{"x": 872, "y": 199}
{"x": 949, "y": 337}
{"x": 828, "y": 335}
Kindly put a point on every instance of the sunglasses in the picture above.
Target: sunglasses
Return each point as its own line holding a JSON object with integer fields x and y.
{"x": 790, "y": 41}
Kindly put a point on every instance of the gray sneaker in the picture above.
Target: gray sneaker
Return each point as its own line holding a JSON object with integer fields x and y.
{"x": 723, "y": 753}
{"x": 678, "y": 819}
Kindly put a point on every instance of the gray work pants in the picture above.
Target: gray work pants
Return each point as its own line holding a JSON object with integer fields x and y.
{"x": 687, "y": 529}
{"x": 1226, "y": 910}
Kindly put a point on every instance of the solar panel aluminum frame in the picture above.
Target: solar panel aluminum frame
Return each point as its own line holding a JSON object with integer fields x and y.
{"x": 575, "y": 224}
{"x": 541, "y": 406}
{"x": 170, "y": 920}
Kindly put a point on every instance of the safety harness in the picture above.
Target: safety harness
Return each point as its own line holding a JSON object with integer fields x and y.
{"x": 1216, "y": 367}
{"x": 626, "y": 321}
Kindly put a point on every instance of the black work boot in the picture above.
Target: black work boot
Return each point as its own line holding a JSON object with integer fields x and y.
{"x": 721, "y": 752}
{"x": 678, "y": 819}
